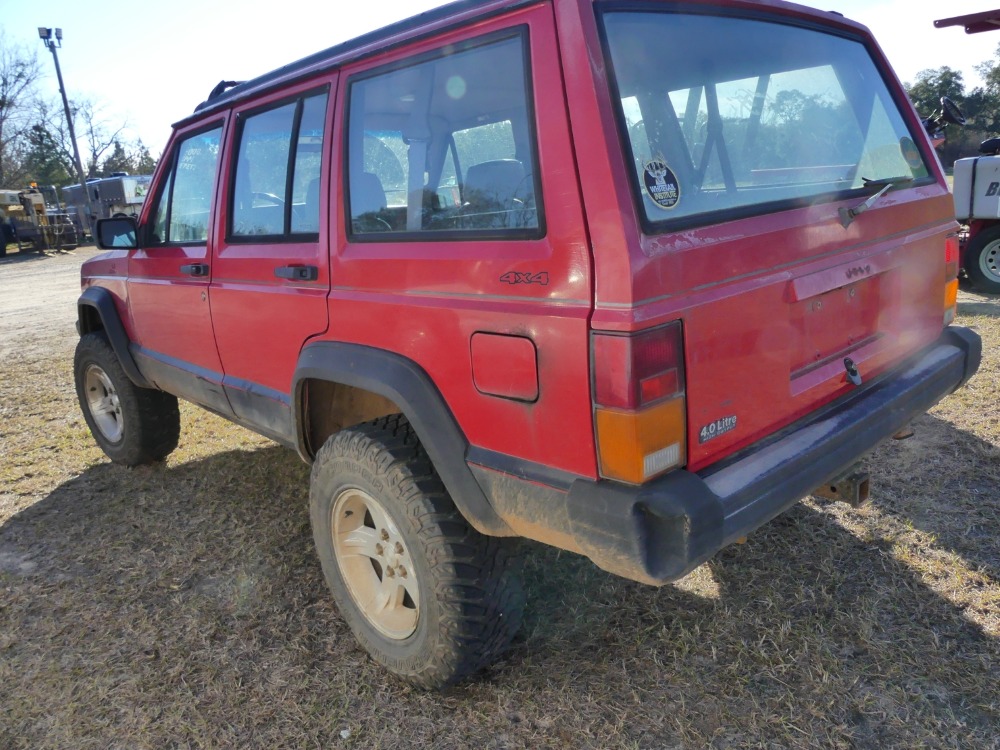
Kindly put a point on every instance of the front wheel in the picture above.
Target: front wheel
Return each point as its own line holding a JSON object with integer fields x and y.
{"x": 132, "y": 425}
{"x": 426, "y": 595}
{"x": 982, "y": 260}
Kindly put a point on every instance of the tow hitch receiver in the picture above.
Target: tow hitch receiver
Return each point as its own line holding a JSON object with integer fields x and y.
{"x": 850, "y": 487}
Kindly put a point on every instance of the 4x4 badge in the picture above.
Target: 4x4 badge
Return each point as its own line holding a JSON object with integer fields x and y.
{"x": 517, "y": 277}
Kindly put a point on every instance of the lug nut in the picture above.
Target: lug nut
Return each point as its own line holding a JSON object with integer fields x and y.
{"x": 399, "y": 548}
{"x": 390, "y": 572}
{"x": 385, "y": 535}
{"x": 402, "y": 572}
{"x": 379, "y": 550}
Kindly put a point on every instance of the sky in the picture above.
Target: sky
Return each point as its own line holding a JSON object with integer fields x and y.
{"x": 149, "y": 63}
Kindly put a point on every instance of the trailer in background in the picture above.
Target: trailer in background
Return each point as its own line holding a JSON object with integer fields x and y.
{"x": 119, "y": 195}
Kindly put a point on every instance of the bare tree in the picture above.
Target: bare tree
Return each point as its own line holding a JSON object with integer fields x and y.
{"x": 90, "y": 123}
{"x": 19, "y": 74}
{"x": 99, "y": 133}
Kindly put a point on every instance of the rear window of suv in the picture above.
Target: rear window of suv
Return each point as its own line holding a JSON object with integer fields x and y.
{"x": 746, "y": 116}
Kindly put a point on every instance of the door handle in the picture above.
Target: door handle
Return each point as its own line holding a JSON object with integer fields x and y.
{"x": 195, "y": 269}
{"x": 297, "y": 273}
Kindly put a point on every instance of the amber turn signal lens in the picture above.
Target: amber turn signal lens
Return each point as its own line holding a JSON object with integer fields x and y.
{"x": 637, "y": 446}
{"x": 950, "y": 301}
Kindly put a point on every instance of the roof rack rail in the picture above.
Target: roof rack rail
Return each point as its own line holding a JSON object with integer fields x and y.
{"x": 220, "y": 88}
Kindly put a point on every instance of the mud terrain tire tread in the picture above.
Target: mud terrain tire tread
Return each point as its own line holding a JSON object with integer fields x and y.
{"x": 151, "y": 418}
{"x": 471, "y": 597}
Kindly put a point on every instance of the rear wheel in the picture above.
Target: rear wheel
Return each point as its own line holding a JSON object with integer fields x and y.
{"x": 426, "y": 595}
{"x": 982, "y": 260}
{"x": 132, "y": 425}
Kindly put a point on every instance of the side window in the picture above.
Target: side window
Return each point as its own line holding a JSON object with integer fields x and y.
{"x": 445, "y": 145}
{"x": 276, "y": 181}
{"x": 159, "y": 232}
{"x": 262, "y": 172}
{"x": 306, "y": 170}
{"x": 184, "y": 204}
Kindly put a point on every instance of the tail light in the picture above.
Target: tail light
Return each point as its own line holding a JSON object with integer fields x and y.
{"x": 639, "y": 405}
{"x": 951, "y": 256}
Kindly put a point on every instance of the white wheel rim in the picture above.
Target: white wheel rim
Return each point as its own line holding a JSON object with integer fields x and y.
{"x": 375, "y": 563}
{"x": 989, "y": 261}
{"x": 103, "y": 403}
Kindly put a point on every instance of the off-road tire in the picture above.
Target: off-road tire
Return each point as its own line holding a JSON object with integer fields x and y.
{"x": 470, "y": 601}
{"x": 982, "y": 260}
{"x": 145, "y": 423}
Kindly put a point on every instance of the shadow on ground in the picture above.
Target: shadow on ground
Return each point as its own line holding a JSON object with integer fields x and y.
{"x": 182, "y": 606}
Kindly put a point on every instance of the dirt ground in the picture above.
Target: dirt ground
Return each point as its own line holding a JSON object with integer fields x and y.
{"x": 181, "y": 605}
{"x": 38, "y": 300}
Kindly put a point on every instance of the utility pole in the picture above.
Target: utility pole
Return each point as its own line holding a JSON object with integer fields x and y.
{"x": 45, "y": 34}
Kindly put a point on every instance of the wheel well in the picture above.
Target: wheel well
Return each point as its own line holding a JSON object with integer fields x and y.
{"x": 89, "y": 320}
{"x": 337, "y": 384}
{"x": 330, "y": 407}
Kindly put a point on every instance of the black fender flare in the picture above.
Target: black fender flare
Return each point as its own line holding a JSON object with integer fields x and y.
{"x": 103, "y": 303}
{"x": 407, "y": 385}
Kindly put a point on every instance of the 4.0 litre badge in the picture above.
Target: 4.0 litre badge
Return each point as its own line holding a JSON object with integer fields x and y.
{"x": 716, "y": 428}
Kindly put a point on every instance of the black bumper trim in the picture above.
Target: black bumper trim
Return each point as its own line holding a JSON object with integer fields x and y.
{"x": 661, "y": 531}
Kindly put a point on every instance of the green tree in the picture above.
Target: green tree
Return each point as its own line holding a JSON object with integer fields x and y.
{"x": 931, "y": 85}
{"x": 118, "y": 161}
{"x": 983, "y": 103}
{"x": 990, "y": 71}
{"x": 141, "y": 158}
{"x": 926, "y": 93}
{"x": 45, "y": 162}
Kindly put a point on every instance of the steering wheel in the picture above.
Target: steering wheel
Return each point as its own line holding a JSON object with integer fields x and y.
{"x": 267, "y": 197}
{"x": 951, "y": 112}
{"x": 370, "y": 222}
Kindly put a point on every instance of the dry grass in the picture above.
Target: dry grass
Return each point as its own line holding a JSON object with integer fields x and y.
{"x": 181, "y": 606}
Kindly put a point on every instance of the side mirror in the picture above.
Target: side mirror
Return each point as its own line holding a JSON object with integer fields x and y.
{"x": 116, "y": 234}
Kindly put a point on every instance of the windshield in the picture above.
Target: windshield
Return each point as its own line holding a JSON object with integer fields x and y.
{"x": 731, "y": 114}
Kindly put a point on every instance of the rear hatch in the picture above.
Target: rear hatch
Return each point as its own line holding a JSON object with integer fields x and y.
{"x": 790, "y": 212}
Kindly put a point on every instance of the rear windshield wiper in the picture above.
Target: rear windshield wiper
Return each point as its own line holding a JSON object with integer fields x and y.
{"x": 847, "y": 215}
{"x": 884, "y": 181}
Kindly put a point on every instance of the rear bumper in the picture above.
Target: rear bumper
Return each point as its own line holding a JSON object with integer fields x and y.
{"x": 660, "y": 531}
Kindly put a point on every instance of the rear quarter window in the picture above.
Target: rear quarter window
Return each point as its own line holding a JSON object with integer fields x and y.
{"x": 444, "y": 145}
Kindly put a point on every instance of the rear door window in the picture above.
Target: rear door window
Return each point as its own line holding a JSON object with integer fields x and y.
{"x": 445, "y": 145}
{"x": 745, "y": 116}
{"x": 277, "y": 176}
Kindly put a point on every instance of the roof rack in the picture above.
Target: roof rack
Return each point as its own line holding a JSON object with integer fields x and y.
{"x": 220, "y": 88}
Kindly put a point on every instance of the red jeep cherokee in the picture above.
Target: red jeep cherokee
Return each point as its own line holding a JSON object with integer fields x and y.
{"x": 627, "y": 278}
